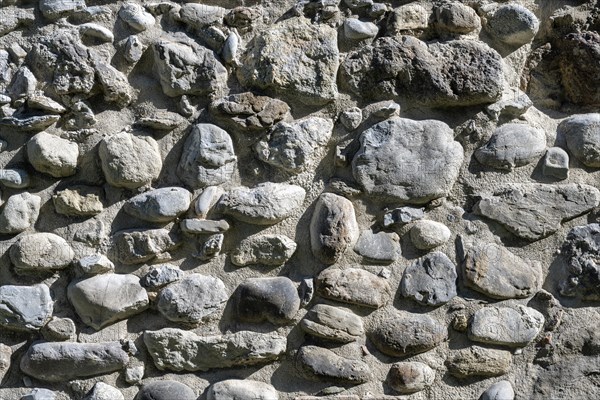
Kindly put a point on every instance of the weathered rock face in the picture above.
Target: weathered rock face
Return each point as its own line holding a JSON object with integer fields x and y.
{"x": 321, "y": 363}
{"x": 79, "y": 201}
{"x": 269, "y": 250}
{"x": 353, "y": 285}
{"x": 136, "y": 247}
{"x": 332, "y": 323}
{"x": 431, "y": 280}
{"x": 25, "y": 307}
{"x": 19, "y": 213}
{"x": 266, "y": 299}
{"x": 478, "y": 361}
{"x": 40, "y": 252}
{"x": 578, "y": 67}
{"x": 581, "y": 134}
{"x": 582, "y": 250}
{"x": 159, "y": 205}
{"x": 506, "y": 326}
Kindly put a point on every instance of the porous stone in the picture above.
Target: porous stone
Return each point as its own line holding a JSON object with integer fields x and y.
{"x": 64, "y": 361}
{"x": 20, "y": 212}
{"x": 478, "y": 361}
{"x": 211, "y": 247}
{"x": 427, "y": 235}
{"x": 456, "y": 18}
{"x": 556, "y": 163}
{"x": 25, "y": 308}
{"x": 512, "y": 145}
{"x": 323, "y": 364}
{"x": 165, "y": 390}
{"x": 578, "y": 65}
{"x": 134, "y": 49}
{"x": 380, "y": 247}
{"x": 208, "y": 157}
{"x": 242, "y": 389}
{"x": 114, "y": 84}
{"x": 410, "y": 377}
{"x": 130, "y": 161}
{"x": 136, "y": 247}
{"x": 512, "y": 24}
{"x": 266, "y": 299}
{"x": 203, "y": 226}
{"x": 533, "y": 211}
{"x": 159, "y": 205}
{"x": 96, "y": 264}
{"x": 40, "y": 252}
{"x": 402, "y": 334}
{"x": 311, "y": 48}
{"x": 351, "y": 118}
{"x": 266, "y": 204}
{"x": 354, "y": 286}
{"x": 431, "y": 280}
{"x": 508, "y": 326}
{"x": 407, "y": 18}
{"x": 332, "y": 323}
{"x": 104, "y": 299}
{"x": 271, "y": 250}
{"x": 192, "y": 298}
{"x": 58, "y": 329}
{"x": 79, "y": 200}
{"x": 581, "y": 250}
{"x": 53, "y": 155}
{"x": 501, "y": 390}
{"x": 333, "y": 228}
{"x": 160, "y": 276}
{"x": 136, "y": 17}
{"x": 102, "y": 391}
{"x": 581, "y": 134}
{"x": 179, "y": 350}
{"x": 407, "y": 161}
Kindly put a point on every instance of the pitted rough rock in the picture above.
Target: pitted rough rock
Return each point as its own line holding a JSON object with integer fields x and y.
{"x": 407, "y": 161}
{"x": 556, "y": 163}
{"x": 456, "y": 18}
{"x": 266, "y": 204}
{"x": 159, "y": 205}
{"x": 179, "y": 350}
{"x": 478, "y": 361}
{"x": 20, "y": 212}
{"x": 58, "y": 329}
{"x": 238, "y": 389}
{"x": 40, "y": 252}
{"x": 310, "y": 48}
{"x": 79, "y": 201}
{"x": 184, "y": 67}
{"x": 294, "y": 146}
{"x": 507, "y": 326}
{"x": 165, "y": 390}
{"x": 512, "y": 145}
{"x": 380, "y": 247}
{"x": 333, "y": 228}
{"x": 431, "y": 280}
{"x": 160, "y": 276}
{"x": 332, "y": 323}
{"x": 271, "y": 250}
{"x": 496, "y": 272}
{"x": 136, "y": 247}
{"x": 512, "y": 24}
{"x": 114, "y": 84}
{"x": 136, "y": 17}
{"x": 427, "y": 235}
{"x": 402, "y": 334}
{"x": 578, "y": 62}
{"x": 192, "y": 298}
{"x": 104, "y": 299}
{"x": 409, "y": 18}
{"x": 52, "y": 155}
{"x": 130, "y": 161}
{"x": 25, "y": 308}
{"x": 65, "y": 361}
{"x": 354, "y": 286}
{"x": 533, "y": 211}
{"x": 208, "y": 157}
{"x": 582, "y": 250}
{"x": 323, "y": 364}
{"x": 266, "y": 299}
{"x": 501, "y": 390}
{"x": 410, "y": 377}
{"x": 102, "y": 391}
{"x": 582, "y": 134}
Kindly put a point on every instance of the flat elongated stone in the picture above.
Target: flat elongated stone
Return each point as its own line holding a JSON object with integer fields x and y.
{"x": 533, "y": 211}
{"x": 20, "y": 212}
{"x": 159, "y": 205}
{"x": 431, "y": 280}
{"x": 332, "y": 323}
{"x": 478, "y": 361}
{"x": 161, "y": 275}
{"x": 203, "y": 226}
{"x": 269, "y": 250}
{"x": 25, "y": 308}
{"x": 65, "y": 361}
{"x": 136, "y": 247}
{"x": 179, "y": 350}
{"x": 272, "y": 299}
{"x": 410, "y": 377}
{"x": 508, "y": 326}
{"x": 242, "y": 389}
{"x": 40, "y": 252}
{"x": 353, "y": 285}
{"x": 104, "y": 299}
{"x": 53, "y": 9}
{"x": 14, "y": 178}
{"x": 321, "y": 363}
{"x": 165, "y": 390}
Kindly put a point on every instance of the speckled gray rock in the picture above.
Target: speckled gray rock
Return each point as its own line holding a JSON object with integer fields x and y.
{"x": 556, "y": 163}
{"x": 179, "y": 350}
{"x": 160, "y": 276}
{"x": 410, "y": 377}
{"x": 501, "y": 390}
{"x": 508, "y": 326}
{"x": 136, "y": 17}
{"x": 478, "y": 361}
{"x": 333, "y": 228}
{"x": 512, "y": 24}
{"x": 40, "y": 394}
{"x": 130, "y": 161}
{"x": 271, "y": 250}
{"x": 242, "y": 389}
{"x": 134, "y": 49}
{"x": 581, "y": 134}
{"x": 407, "y": 161}
{"x": 159, "y": 205}
{"x": 104, "y": 299}
{"x": 512, "y": 145}
{"x": 354, "y": 286}
{"x": 582, "y": 250}
{"x": 192, "y": 298}
{"x": 266, "y": 204}
{"x": 40, "y": 252}
{"x": 25, "y": 308}
{"x": 53, "y": 155}
{"x": 165, "y": 390}
{"x": 294, "y": 146}
{"x": 323, "y": 364}
{"x": 427, "y": 235}
{"x": 19, "y": 213}
{"x": 79, "y": 200}
{"x": 456, "y": 18}
{"x": 351, "y": 118}
{"x": 266, "y": 299}
{"x": 102, "y": 391}
{"x": 332, "y": 323}
{"x": 96, "y": 264}
{"x": 64, "y": 361}
{"x": 380, "y": 247}
{"x": 533, "y": 211}
{"x": 58, "y": 329}
{"x": 136, "y": 247}
{"x": 431, "y": 280}
{"x": 208, "y": 157}
{"x": 401, "y": 334}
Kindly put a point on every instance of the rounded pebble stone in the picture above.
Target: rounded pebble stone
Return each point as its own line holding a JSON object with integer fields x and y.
{"x": 513, "y": 24}
{"x": 501, "y": 390}
{"x": 427, "y": 235}
{"x": 165, "y": 390}
{"x": 242, "y": 389}
{"x": 410, "y": 377}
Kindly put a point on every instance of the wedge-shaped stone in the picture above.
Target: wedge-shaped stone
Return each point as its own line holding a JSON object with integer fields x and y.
{"x": 332, "y": 323}
{"x": 353, "y": 285}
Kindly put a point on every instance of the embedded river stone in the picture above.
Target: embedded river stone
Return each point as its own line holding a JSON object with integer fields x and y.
{"x": 427, "y": 235}
{"x": 407, "y": 161}
{"x": 136, "y": 247}
{"x": 242, "y": 389}
{"x": 40, "y": 252}
{"x": 271, "y": 250}
{"x": 321, "y": 363}
{"x": 266, "y": 299}
{"x": 354, "y": 286}
{"x": 380, "y": 247}
{"x": 65, "y": 361}
{"x": 332, "y": 323}
{"x": 179, "y": 350}
{"x": 431, "y": 280}
{"x": 582, "y": 136}
{"x": 508, "y": 326}
{"x": 333, "y": 228}
{"x": 159, "y": 205}
{"x": 19, "y": 213}
{"x": 53, "y": 155}
{"x": 478, "y": 361}
{"x": 410, "y": 377}
{"x": 533, "y": 211}
{"x": 165, "y": 390}
{"x": 25, "y": 308}
{"x": 512, "y": 24}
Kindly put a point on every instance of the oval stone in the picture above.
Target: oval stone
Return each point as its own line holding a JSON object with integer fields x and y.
{"x": 159, "y": 205}
{"x": 40, "y": 252}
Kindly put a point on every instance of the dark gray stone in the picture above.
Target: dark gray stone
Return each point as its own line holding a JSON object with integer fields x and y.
{"x": 380, "y": 247}
{"x": 165, "y": 390}
{"x": 266, "y": 299}
{"x": 25, "y": 308}
{"x": 582, "y": 249}
{"x": 160, "y": 276}
{"x": 159, "y": 205}
{"x": 431, "y": 280}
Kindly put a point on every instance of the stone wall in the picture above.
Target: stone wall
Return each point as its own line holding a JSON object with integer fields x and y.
{"x": 254, "y": 199}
